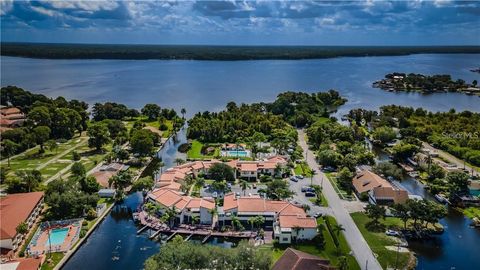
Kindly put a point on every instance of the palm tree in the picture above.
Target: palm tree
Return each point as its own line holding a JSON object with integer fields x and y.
{"x": 22, "y": 228}
{"x": 296, "y": 229}
{"x": 337, "y": 228}
{"x": 183, "y": 112}
{"x": 259, "y": 220}
{"x": 306, "y": 207}
{"x": 244, "y": 185}
{"x": 251, "y": 221}
{"x": 195, "y": 220}
{"x": 179, "y": 161}
{"x": 342, "y": 263}
{"x": 172, "y": 214}
{"x": 312, "y": 173}
{"x": 235, "y": 220}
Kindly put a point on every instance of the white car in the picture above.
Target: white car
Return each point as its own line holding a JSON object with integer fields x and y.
{"x": 392, "y": 233}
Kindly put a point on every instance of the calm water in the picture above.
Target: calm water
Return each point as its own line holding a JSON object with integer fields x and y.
{"x": 209, "y": 85}
{"x": 457, "y": 248}
{"x": 115, "y": 244}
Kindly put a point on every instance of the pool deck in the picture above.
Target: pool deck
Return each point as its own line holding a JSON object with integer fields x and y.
{"x": 42, "y": 246}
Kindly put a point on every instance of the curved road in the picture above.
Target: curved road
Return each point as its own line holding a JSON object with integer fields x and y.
{"x": 358, "y": 245}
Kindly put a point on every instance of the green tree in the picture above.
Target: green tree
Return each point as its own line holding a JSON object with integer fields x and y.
{"x": 384, "y": 134}
{"x": 40, "y": 115}
{"x": 98, "y": 136}
{"x": 30, "y": 179}
{"x": 22, "y": 228}
{"x": 183, "y": 112}
{"x": 278, "y": 189}
{"x": 375, "y": 212}
{"x": 9, "y": 148}
{"x": 221, "y": 171}
{"x": 78, "y": 170}
{"x": 344, "y": 179}
{"x": 143, "y": 184}
{"x": 143, "y": 141}
{"x": 244, "y": 185}
{"x": 152, "y": 111}
{"x": 402, "y": 212}
{"x": 458, "y": 183}
{"x": 52, "y": 145}
{"x": 42, "y": 133}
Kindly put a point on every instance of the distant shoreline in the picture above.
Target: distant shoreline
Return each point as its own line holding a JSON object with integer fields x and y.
{"x": 215, "y": 53}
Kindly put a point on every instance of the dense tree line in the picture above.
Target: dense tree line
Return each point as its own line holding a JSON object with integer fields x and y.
{"x": 456, "y": 133}
{"x": 301, "y": 109}
{"x": 178, "y": 254}
{"x": 46, "y": 119}
{"x": 205, "y": 52}
{"x": 424, "y": 83}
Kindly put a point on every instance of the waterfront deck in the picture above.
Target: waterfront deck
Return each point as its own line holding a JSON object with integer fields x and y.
{"x": 156, "y": 225}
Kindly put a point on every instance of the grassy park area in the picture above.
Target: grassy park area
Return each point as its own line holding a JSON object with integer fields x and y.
{"x": 50, "y": 263}
{"x": 303, "y": 169}
{"x": 341, "y": 193}
{"x": 153, "y": 125}
{"x": 195, "y": 151}
{"x": 378, "y": 241}
{"x": 335, "y": 246}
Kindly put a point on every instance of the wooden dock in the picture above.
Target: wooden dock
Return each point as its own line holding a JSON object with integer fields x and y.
{"x": 155, "y": 234}
{"x": 188, "y": 237}
{"x": 206, "y": 238}
{"x": 171, "y": 236}
{"x": 142, "y": 229}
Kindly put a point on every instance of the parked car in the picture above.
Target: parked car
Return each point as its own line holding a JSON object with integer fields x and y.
{"x": 310, "y": 194}
{"x": 300, "y": 177}
{"x": 328, "y": 169}
{"x": 317, "y": 215}
{"x": 392, "y": 233}
{"x": 254, "y": 186}
{"x": 229, "y": 185}
{"x": 237, "y": 194}
{"x": 215, "y": 194}
{"x": 294, "y": 179}
{"x": 305, "y": 188}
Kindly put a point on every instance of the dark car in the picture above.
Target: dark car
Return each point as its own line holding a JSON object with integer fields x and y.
{"x": 310, "y": 194}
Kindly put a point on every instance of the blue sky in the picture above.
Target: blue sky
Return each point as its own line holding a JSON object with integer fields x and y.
{"x": 243, "y": 22}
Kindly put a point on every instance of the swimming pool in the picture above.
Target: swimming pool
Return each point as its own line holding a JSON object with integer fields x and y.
{"x": 475, "y": 192}
{"x": 240, "y": 153}
{"x": 57, "y": 236}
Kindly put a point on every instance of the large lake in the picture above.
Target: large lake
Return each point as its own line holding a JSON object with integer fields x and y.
{"x": 209, "y": 85}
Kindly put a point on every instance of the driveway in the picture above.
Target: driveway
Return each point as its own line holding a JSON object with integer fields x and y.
{"x": 299, "y": 197}
{"x": 458, "y": 162}
{"x": 354, "y": 237}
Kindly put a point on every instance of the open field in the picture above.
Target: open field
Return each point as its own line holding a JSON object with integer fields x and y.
{"x": 195, "y": 151}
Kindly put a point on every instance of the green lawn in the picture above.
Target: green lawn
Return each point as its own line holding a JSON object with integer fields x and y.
{"x": 303, "y": 169}
{"x": 472, "y": 212}
{"x": 56, "y": 257}
{"x": 195, "y": 151}
{"x": 378, "y": 241}
{"x": 330, "y": 251}
{"x": 323, "y": 200}
{"x": 341, "y": 193}
{"x": 151, "y": 123}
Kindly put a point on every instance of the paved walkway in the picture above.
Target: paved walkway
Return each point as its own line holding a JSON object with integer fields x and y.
{"x": 354, "y": 237}
{"x": 64, "y": 153}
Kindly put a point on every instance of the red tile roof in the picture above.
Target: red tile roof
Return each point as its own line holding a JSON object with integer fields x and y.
{"x": 15, "y": 209}
{"x": 366, "y": 180}
{"x": 293, "y": 259}
{"x": 292, "y": 221}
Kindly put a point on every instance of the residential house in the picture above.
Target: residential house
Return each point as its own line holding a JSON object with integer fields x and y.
{"x": 15, "y": 209}
{"x": 186, "y": 207}
{"x": 10, "y": 117}
{"x": 379, "y": 190}
{"x": 290, "y": 222}
{"x": 293, "y": 259}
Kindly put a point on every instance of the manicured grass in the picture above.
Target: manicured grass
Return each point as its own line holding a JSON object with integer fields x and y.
{"x": 330, "y": 250}
{"x": 323, "y": 200}
{"x": 341, "y": 193}
{"x": 472, "y": 212}
{"x": 378, "y": 241}
{"x": 55, "y": 259}
{"x": 152, "y": 123}
{"x": 195, "y": 151}
{"x": 303, "y": 169}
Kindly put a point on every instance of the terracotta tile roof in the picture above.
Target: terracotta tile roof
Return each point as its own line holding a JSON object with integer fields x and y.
{"x": 292, "y": 221}
{"x": 248, "y": 167}
{"x": 366, "y": 180}
{"x": 201, "y": 202}
{"x": 291, "y": 209}
{"x": 15, "y": 209}
{"x": 14, "y": 116}
{"x": 293, "y": 259}
{"x": 103, "y": 177}
{"x": 167, "y": 198}
{"x": 267, "y": 165}
{"x": 395, "y": 194}
{"x": 170, "y": 198}
{"x": 11, "y": 110}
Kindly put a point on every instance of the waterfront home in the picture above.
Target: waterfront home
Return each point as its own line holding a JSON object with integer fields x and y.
{"x": 186, "y": 207}
{"x": 243, "y": 169}
{"x": 289, "y": 222}
{"x": 379, "y": 190}
{"x": 293, "y": 259}
{"x": 105, "y": 172}
{"x": 15, "y": 209}
{"x": 22, "y": 264}
{"x": 11, "y": 117}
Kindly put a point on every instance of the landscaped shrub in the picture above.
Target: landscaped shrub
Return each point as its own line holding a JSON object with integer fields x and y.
{"x": 76, "y": 156}
{"x": 84, "y": 223}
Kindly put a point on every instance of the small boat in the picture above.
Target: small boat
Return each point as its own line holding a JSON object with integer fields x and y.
{"x": 476, "y": 222}
{"x": 440, "y": 198}
{"x": 413, "y": 174}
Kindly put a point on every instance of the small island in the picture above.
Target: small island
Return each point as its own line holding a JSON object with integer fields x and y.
{"x": 425, "y": 84}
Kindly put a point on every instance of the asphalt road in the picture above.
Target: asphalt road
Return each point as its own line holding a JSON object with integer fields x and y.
{"x": 354, "y": 237}
{"x": 460, "y": 164}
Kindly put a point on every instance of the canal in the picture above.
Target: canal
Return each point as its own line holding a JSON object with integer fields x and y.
{"x": 457, "y": 248}
{"x": 114, "y": 244}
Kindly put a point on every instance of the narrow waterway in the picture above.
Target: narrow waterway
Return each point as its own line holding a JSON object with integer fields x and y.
{"x": 457, "y": 248}
{"x": 115, "y": 244}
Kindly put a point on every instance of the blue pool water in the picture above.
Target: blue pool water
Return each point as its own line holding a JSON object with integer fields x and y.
{"x": 237, "y": 153}
{"x": 475, "y": 192}
{"x": 57, "y": 236}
